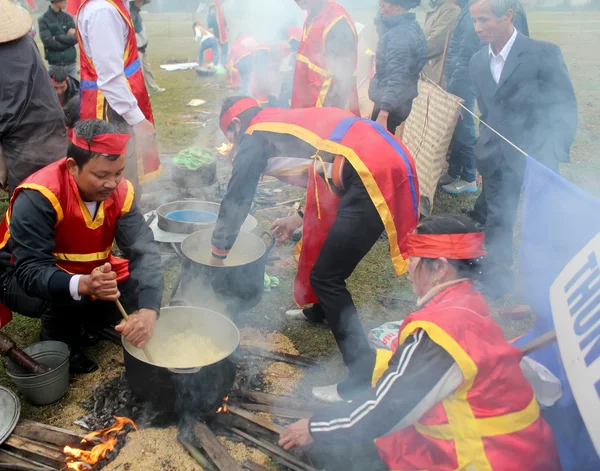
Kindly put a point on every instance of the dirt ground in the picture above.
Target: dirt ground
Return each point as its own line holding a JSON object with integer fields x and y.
{"x": 180, "y": 127}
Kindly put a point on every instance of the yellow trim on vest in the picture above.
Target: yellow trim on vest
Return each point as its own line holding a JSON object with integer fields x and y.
{"x": 335, "y": 22}
{"x": 323, "y": 93}
{"x": 128, "y": 199}
{"x": 87, "y": 217}
{"x": 48, "y": 195}
{"x": 366, "y": 177}
{"x": 88, "y": 257}
{"x": 146, "y": 177}
{"x": 490, "y": 426}
{"x": 314, "y": 67}
{"x": 382, "y": 360}
{"x": 100, "y": 104}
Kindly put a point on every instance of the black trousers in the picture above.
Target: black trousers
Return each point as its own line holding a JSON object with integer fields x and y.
{"x": 65, "y": 322}
{"x": 497, "y": 208}
{"x": 355, "y": 230}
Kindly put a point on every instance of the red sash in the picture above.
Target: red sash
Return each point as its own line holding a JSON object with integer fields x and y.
{"x": 221, "y": 21}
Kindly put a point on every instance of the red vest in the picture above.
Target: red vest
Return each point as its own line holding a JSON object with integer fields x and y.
{"x": 492, "y": 422}
{"x": 312, "y": 79}
{"x": 221, "y": 21}
{"x": 243, "y": 46}
{"x": 93, "y": 105}
{"x": 81, "y": 244}
{"x": 384, "y": 165}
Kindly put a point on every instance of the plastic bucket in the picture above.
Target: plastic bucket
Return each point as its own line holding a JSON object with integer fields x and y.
{"x": 48, "y": 388}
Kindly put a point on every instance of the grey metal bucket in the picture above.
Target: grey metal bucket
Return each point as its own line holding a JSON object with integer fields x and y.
{"x": 43, "y": 389}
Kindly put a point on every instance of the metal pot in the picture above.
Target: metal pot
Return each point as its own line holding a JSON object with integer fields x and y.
{"x": 183, "y": 177}
{"x": 177, "y": 392}
{"x": 236, "y": 287}
{"x": 183, "y": 227}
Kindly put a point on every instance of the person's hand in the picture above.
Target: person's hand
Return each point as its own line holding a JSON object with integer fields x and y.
{"x": 71, "y": 32}
{"x": 282, "y": 229}
{"x": 138, "y": 328}
{"x": 101, "y": 283}
{"x": 382, "y": 118}
{"x": 296, "y": 434}
{"x": 145, "y": 135}
{"x": 216, "y": 262}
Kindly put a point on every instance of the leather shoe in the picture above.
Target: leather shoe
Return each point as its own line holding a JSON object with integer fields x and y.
{"x": 81, "y": 364}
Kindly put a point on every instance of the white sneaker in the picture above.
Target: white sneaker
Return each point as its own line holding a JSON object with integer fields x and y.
{"x": 160, "y": 90}
{"x": 328, "y": 394}
{"x": 295, "y": 315}
{"x": 446, "y": 179}
{"x": 460, "y": 186}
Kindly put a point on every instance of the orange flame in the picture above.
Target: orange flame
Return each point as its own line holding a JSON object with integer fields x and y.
{"x": 82, "y": 460}
{"x": 225, "y": 148}
{"x": 223, "y": 408}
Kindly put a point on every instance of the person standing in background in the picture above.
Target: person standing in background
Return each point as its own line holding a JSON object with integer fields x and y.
{"x": 217, "y": 25}
{"x": 66, "y": 87}
{"x": 32, "y": 124}
{"x": 439, "y": 22}
{"x": 525, "y": 93}
{"x": 58, "y": 34}
{"x": 141, "y": 37}
{"x": 401, "y": 55}
{"x": 112, "y": 84}
{"x": 325, "y": 73}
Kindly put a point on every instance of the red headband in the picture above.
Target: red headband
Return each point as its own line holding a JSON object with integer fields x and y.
{"x": 233, "y": 112}
{"x": 452, "y": 246}
{"x": 112, "y": 144}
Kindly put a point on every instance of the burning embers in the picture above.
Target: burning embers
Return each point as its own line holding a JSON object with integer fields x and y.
{"x": 223, "y": 408}
{"x": 84, "y": 460}
{"x": 225, "y": 148}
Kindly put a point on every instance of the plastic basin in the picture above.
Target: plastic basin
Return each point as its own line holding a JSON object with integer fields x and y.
{"x": 48, "y": 388}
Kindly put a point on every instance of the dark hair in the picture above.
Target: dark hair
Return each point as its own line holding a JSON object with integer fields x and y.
{"x": 406, "y": 4}
{"x": 71, "y": 111}
{"x": 88, "y": 130}
{"x": 58, "y": 73}
{"x": 244, "y": 117}
{"x": 452, "y": 224}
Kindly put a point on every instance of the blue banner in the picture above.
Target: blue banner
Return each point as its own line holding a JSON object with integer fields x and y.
{"x": 558, "y": 268}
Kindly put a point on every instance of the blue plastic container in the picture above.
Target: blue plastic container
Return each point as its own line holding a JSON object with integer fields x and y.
{"x": 192, "y": 215}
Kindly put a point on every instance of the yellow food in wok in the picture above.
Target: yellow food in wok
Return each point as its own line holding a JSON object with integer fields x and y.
{"x": 186, "y": 350}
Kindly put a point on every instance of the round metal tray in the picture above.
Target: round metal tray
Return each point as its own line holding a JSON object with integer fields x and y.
{"x": 10, "y": 410}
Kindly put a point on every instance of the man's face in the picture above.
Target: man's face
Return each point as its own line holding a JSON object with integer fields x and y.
{"x": 60, "y": 87}
{"x": 61, "y": 5}
{"x": 387, "y": 9}
{"x": 139, "y": 3}
{"x": 98, "y": 178}
{"x": 487, "y": 25}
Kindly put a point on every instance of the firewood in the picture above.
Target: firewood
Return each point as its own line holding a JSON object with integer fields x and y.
{"x": 284, "y": 357}
{"x": 284, "y": 413}
{"x": 9, "y": 457}
{"x": 45, "y": 454}
{"x": 539, "y": 343}
{"x": 274, "y": 449}
{"x": 278, "y": 401}
{"x": 196, "y": 454}
{"x": 253, "y": 466}
{"x": 51, "y": 435}
{"x": 255, "y": 419}
{"x": 214, "y": 449}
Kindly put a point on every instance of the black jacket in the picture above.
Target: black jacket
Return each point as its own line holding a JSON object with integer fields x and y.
{"x": 464, "y": 43}
{"x": 533, "y": 106}
{"x": 58, "y": 45}
{"x": 401, "y": 55}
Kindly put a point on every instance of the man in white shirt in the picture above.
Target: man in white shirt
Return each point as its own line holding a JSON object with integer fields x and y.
{"x": 525, "y": 93}
{"x": 105, "y": 31}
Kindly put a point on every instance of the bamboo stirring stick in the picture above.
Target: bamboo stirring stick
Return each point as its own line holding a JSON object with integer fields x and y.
{"x": 126, "y": 317}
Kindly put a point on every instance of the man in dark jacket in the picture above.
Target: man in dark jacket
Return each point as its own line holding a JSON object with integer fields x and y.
{"x": 525, "y": 93}
{"x": 401, "y": 55}
{"x": 32, "y": 124}
{"x": 464, "y": 43}
{"x": 66, "y": 87}
{"x": 57, "y": 32}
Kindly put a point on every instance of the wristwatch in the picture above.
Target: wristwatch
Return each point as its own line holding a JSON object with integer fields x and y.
{"x": 301, "y": 213}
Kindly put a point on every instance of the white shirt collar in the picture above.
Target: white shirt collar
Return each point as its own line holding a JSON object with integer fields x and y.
{"x": 507, "y": 47}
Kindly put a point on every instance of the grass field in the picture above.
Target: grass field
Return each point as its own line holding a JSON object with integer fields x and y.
{"x": 171, "y": 40}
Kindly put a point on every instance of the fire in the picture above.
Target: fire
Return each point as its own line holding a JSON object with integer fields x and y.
{"x": 225, "y": 148}
{"x": 82, "y": 460}
{"x": 223, "y": 408}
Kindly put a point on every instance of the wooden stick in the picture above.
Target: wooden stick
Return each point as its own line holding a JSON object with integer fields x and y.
{"x": 255, "y": 419}
{"x": 278, "y": 205}
{"x": 197, "y": 455}
{"x": 45, "y": 454}
{"x": 278, "y": 401}
{"x": 284, "y": 357}
{"x": 274, "y": 449}
{"x": 284, "y": 413}
{"x": 52, "y": 435}
{"x": 539, "y": 343}
{"x": 18, "y": 467}
{"x": 8, "y": 457}
{"x": 214, "y": 449}
{"x": 126, "y": 317}
{"x": 253, "y": 466}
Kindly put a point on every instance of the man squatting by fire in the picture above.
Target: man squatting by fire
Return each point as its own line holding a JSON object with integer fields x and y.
{"x": 360, "y": 181}
{"x": 56, "y": 241}
{"x": 451, "y": 395}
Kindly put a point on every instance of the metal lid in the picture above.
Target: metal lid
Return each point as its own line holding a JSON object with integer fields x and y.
{"x": 10, "y": 410}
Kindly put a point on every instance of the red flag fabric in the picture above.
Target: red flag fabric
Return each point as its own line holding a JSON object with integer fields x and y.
{"x": 73, "y": 6}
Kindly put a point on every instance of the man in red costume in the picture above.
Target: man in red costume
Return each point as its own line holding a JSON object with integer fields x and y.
{"x": 56, "y": 243}
{"x": 451, "y": 394}
{"x": 360, "y": 181}
{"x": 112, "y": 84}
{"x": 326, "y": 63}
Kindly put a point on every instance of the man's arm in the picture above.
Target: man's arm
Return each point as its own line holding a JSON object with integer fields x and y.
{"x": 49, "y": 40}
{"x": 436, "y": 41}
{"x": 398, "y": 59}
{"x": 420, "y": 374}
{"x": 475, "y": 83}
{"x": 69, "y": 39}
{"x": 248, "y": 166}
{"x": 32, "y": 243}
{"x": 136, "y": 240}
{"x": 106, "y": 45}
{"x": 340, "y": 52}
